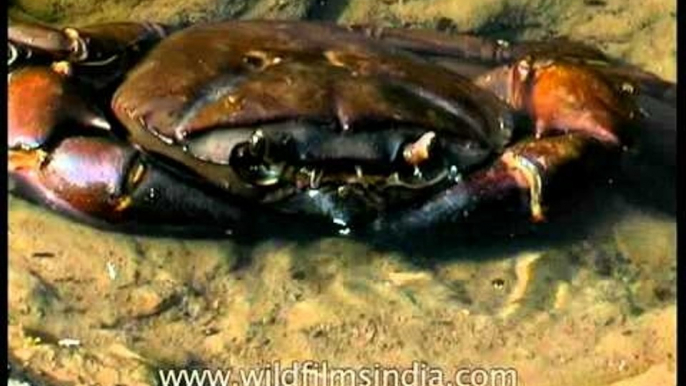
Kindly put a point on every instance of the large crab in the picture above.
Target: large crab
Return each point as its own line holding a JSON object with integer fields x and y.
{"x": 369, "y": 129}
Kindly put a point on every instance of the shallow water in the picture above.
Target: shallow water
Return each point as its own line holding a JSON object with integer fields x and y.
{"x": 587, "y": 299}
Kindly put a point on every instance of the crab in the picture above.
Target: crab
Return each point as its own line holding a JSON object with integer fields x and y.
{"x": 226, "y": 125}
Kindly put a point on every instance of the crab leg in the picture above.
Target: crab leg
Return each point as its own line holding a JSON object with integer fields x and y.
{"x": 640, "y": 82}
{"x": 472, "y": 56}
{"x": 86, "y": 44}
{"x": 98, "y": 54}
{"x": 564, "y": 97}
{"x": 471, "y": 47}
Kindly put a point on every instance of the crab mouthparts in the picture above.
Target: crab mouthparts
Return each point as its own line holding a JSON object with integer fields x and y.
{"x": 419, "y": 151}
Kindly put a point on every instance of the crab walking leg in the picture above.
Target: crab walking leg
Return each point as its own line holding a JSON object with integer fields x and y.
{"x": 522, "y": 179}
{"x": 640, "y": 82}
{"x": 104, "y": 182}
{"x": 39, "y": 36}
{"x": 477, "y": 48}
{"x": 472, "y": 56}
{"x": 98, "y": 43}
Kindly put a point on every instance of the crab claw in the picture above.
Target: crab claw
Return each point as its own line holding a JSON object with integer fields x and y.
{"x": 80, "y": 175}
{"x": 39, "y": 101}
{"x": 527, "y": 176}
{"x": 94, "y": 177}
{"x": 106, "y": 183}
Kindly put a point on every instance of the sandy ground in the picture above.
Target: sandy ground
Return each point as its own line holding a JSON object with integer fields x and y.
{"x": 591, "y": 311}
{"x": 88, "y": 307}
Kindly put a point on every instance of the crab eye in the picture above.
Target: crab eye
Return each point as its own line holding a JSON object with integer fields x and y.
{"x": 12, "y": 54}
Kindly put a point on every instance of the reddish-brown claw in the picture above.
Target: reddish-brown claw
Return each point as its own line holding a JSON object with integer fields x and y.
{"x": 80, "y": 175}
{"x": 522, "y": 181}
{"x": 107, "y": 183}
{"x": 546, "y": 167}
